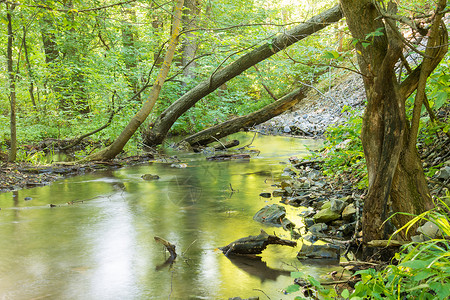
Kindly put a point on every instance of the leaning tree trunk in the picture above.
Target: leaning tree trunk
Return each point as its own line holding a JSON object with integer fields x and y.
{"x": 159, "y": 129}
{"x": 120, "y": 142}
{"x": 214, "y": 133}
{"x": 396, "y": 180}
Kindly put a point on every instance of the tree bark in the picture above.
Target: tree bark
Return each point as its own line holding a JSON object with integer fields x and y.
{"x": 12, "y": 85}
{"x": 189, "y": 44}
{"x": 214, "y": 133}
{"x": 156, "y": 134}
{"x": 396, "y": 179}
{"x": 120, "y": 142}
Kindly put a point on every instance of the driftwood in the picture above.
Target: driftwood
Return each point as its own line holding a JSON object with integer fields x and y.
{"x": 255, "y": 244}
{"x": 229, "y": 156}
{"x": 214, "y": 133}
{"x": 386, "y": 243}
{"x": 170, "y": 247}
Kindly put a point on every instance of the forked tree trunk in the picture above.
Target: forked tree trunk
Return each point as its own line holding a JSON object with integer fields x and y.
{"x": 120, "y": 142}
{"x": 159, "y": 129}
{"x": 396, "y": 179}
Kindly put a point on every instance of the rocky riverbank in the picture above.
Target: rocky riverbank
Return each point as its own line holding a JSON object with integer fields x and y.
{"x": 312, "y": 116}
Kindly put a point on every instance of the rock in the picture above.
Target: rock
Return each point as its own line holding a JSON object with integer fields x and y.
{"x": 325, "y": 205}
{"x": 149, "y": 177}
{"x": 265, "y": 195}
{"x": 349, "y": 212}
{"x": 347, "y": 229}
{"x": 286, "y": 129}
{"x": 311, "y": 238}
{"x": 326, "y": 215}
{"x": 179, "y": 166}
{"x": 318, "y": 228}
{"x": 27, "y": 198}
{"x": 314, "y": 175}
{"x": 337, "y": 206}
{"x": 184, "y": 146}
{"x": 271, "y": 214}
{"x": 324, "y": 251}
{"x": 309, "y": 222}
{"x": 444, "y": 173}
{"x": 278, "y": 193}
{"x": 308, "y": 212}
{"x": 430, "y": 230}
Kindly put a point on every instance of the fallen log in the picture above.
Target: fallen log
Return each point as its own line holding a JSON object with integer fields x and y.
{"x": 229, "y": 156}
{"x": 276, "y": 108}
{"x": 255, "y": 244}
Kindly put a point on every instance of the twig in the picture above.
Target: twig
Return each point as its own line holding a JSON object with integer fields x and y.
{"x": 262, "y": 292}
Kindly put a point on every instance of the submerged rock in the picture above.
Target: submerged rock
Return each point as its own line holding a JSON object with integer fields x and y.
{"x": 149, "y": 177}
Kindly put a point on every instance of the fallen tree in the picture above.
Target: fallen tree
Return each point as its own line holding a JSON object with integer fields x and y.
{"x": 214, "y": 133}
{"x": 157, "y": 131}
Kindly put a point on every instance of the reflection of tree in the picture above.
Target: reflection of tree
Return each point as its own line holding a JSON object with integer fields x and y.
{"x": 254, "y": 266}
{"x": 183, "y": 191}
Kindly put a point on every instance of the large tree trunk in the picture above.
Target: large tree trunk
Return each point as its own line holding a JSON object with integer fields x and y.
{"x": 120, "y": 142}
{"x": 214, "y": 133}
{"x": 156, "y": 134}
{"x": 396, "y": 179}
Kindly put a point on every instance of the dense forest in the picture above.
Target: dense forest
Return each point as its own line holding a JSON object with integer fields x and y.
{"x": 74, "y": 66}
{"x": 121, "y": 77}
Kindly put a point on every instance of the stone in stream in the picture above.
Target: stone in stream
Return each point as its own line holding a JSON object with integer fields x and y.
{"x": 278, "y": 193}
{"x": 265, "y": 195}
{"x": 274, "y": 215}
{"x": 150, "y": 177}
{"x": 319, "y": 251}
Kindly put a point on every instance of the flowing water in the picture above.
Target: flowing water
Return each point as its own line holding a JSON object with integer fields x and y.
{"x": 102, "y": 246}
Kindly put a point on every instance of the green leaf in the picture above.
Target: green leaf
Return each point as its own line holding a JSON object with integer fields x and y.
{"x": 441, "y": 98}
{"x": 296, "y": 274}
{"x": 331, "y": 55}
{"x": 293, "y": 288}
{"x": 365, "y": 44}
{"x": 424, "y": 274}
{"x": 345, "y": 294}
{"x": 415, "y": 264}
{"x": 442, "y": 289}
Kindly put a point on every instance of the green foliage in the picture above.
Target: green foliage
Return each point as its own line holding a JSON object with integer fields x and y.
{"x": 422, "y": 272}
{"x": 343, "y": 153}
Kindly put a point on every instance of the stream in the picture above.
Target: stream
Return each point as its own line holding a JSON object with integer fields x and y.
{"x": 102, "y": 245}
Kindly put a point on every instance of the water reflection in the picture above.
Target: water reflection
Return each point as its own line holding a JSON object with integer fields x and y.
{"x": 97, "y": 242}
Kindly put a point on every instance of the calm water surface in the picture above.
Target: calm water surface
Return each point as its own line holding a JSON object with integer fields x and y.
{"x": 102, "y": 246}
